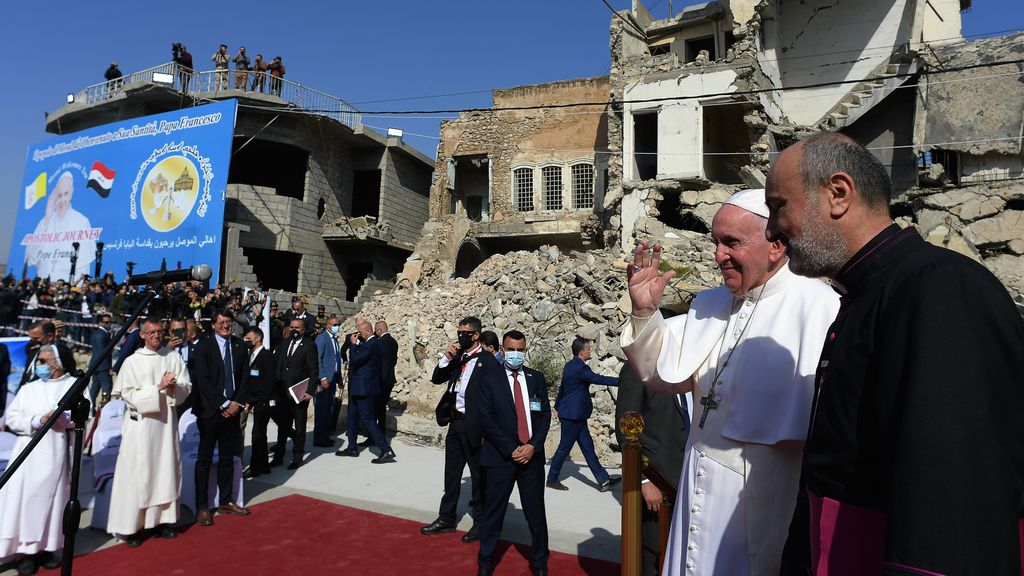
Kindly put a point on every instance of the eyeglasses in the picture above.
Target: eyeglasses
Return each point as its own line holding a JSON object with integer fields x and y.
{"x": 222, "y": 323}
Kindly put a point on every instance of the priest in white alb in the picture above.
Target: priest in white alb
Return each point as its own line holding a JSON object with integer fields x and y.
{"x": 748, "y": 351}
{"x": 147, "y": 477}
{"x": 32, "y": 502}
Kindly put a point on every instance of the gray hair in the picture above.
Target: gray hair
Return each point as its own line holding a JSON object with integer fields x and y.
{"x": 826, "y": 153}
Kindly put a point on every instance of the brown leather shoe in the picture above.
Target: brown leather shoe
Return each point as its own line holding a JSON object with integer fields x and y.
{"x": 233, "y": 509}
{"x": 204, "y": 517}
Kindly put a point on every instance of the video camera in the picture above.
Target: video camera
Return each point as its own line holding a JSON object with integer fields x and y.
{"x": 176, "y": 51}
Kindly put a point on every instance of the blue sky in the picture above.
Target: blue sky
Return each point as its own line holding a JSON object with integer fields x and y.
{"x": 359, "y": 51}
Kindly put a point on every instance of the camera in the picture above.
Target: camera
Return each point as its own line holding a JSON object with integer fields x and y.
{"x": 176, "y": 50}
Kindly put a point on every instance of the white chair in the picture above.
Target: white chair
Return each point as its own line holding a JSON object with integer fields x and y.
{"x": 189, "y": 433}
{"x": 106, "y": 442}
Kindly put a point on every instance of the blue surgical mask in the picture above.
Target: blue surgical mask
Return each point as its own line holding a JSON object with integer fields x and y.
{"x": 335, "y": 329}
{"x": 43, "y": 371}
{"x": 514, "y": 359}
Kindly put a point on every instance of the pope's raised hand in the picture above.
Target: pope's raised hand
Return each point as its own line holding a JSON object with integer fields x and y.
{"x": 646, "y": 283}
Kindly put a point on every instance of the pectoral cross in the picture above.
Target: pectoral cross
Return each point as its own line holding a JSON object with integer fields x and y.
{"x": 709, "y": 403}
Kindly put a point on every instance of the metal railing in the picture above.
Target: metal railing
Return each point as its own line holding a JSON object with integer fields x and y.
{"x": 222, "y": 84}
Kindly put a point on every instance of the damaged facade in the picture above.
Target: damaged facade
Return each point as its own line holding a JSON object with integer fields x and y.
{"x": 316, "y": 204}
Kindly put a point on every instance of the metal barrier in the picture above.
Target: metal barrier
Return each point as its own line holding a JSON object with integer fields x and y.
{"x": 221, "y": 83}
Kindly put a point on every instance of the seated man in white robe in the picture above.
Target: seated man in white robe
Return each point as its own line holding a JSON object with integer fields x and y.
{"x": 147, "y": 478}
{"x": 32, "y": 502}
{"x": 748, "y": 351}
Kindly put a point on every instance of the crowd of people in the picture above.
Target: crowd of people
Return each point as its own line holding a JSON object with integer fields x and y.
{"x": 250, "y": 74}
{"x": 865, "y": 425}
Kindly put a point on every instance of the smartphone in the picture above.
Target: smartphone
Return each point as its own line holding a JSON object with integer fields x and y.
{"x": 178, "y": 333}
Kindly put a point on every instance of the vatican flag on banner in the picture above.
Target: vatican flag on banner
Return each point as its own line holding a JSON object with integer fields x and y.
{"x": 35, "y": 191}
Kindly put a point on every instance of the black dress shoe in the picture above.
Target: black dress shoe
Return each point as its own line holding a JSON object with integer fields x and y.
{"x": 276, "y": 462}
{"x": 349, "y": 452}
{"x": 472, "y": 536}
{"x": 135, "y": 540}
{"x": 250, "y": 474}
{"x": 607, "y": 484}
{"x": 295, "y": 465}
{"x": 27, "y": 566}
{"x": 384, "y": 458}
{"x": 557, "y": 486}
{"x": 54, "y": 559}
{"x": 437, "y": 527}
{"x": 166, "y": 531}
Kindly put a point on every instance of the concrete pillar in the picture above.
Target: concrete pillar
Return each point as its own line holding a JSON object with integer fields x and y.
{"x": 232, "y": 250}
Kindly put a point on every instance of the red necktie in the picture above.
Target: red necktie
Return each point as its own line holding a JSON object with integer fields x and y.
{"x": 524, "y": 427}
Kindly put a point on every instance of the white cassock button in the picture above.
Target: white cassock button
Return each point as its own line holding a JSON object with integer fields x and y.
{"x": 695, "y": 509}
{"x": 698, "y": 491}
{"x": 746, "y": 303}
{"x": 700, "y": 472}
{"x": 744, "y": 315}
{"x": 694, "y": 528}
{"x": 691, "y": 546}
{"x": 690, "y": 564}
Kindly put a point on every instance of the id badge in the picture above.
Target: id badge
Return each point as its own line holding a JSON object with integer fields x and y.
{"x": 273, "y": 403}
{"x": 254, "y": 372}
{"x": 535, "y": 404}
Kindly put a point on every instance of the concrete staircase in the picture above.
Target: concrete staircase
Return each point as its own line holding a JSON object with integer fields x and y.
{"x": 865, "y": 95}
{"x": 370, "y": 286}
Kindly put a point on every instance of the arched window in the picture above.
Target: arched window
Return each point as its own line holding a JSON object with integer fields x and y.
{"x": 552, "y": 178}
{"x": 522, "y": 189}
{"x": 583, "y": 186}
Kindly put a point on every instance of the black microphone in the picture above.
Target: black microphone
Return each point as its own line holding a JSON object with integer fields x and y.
{"x": 200, "y": 272}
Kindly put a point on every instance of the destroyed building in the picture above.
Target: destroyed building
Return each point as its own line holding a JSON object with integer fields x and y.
{"x": 336, "y": 216}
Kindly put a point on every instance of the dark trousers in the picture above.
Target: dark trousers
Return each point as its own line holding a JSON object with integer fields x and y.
{"x": 324, "y": 416}
{"x": 101, "y": 382}
{"x": 576, "y": 432}
{"x": 299, "y": 413}
{"x": 360, "y": 410}
{"x": 458, "y": 452}
{"x": 224, "y": 434}
{"x": 651, "y": 537}
{"x": 498, "y": 484}
{"x": 380, "y": 409}
{"x": 262, "y": 414}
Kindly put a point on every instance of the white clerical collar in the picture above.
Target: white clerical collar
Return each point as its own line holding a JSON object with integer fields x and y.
{"x": 775, "y": 285}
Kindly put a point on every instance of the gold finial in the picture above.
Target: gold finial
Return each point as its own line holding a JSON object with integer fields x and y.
{"x": 631, "y": 425}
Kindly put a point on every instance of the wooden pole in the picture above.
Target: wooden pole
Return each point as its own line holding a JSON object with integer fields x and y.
{"x": 631, "y": 425}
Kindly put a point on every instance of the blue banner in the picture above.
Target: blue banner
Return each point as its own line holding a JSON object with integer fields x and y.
{"x": 148, "y": 189}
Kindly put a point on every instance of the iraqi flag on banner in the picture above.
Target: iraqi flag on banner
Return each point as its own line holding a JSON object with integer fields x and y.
{"x": 101, "y": 179}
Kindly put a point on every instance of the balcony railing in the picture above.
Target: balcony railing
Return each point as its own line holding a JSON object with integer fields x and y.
{"x": 214, "y": 84}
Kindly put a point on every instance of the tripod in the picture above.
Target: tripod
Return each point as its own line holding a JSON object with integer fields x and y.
{"x": 75, "y": 402}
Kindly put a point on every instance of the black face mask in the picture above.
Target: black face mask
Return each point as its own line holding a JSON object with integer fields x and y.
{"x": 465, "y": 341}
{"x": 296, "y": 334}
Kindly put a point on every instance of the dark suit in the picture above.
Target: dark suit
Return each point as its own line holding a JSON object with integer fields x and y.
{"x": 5, "y": 371}
{"x": 499, "y": 423}
{"x": 216, "y": 431}
{"x": 462, "y": 443}
{"x": 101, "y": 380}
{"x": 188, "y": 354}
{"x": 262, "y": 390}
{"x": 574, "y": 406}
{"x": 389, "y": 348}
{"x": 290, "y": 371}
{"x": 308, "y": 320}
{"x": 365, "y": 362}
{"x": 132, "y": 342}
{"x": 666, "y": 428}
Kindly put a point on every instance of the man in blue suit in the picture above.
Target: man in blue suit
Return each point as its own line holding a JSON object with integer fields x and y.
{"x": 573, "y": 407}
{"x": 329, "y": 360}
{"x": 515, "y": 416}
{"x": 365, "y": 360}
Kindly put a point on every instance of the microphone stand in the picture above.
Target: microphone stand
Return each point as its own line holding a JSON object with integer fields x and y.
{"x": 75, "y": 402}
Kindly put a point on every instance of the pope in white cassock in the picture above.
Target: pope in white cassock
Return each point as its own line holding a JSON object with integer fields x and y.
{"x": 53, "y": 259}
{"x": 32, "y": 502}
{"x": 748, "y": 351}
{"x": 147, "y": 477}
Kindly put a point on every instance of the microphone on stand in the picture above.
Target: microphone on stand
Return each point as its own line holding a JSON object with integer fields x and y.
{"x": 200, "y": 272}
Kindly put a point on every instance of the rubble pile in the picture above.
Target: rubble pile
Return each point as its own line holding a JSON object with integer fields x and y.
{"x": 549, "y": 295}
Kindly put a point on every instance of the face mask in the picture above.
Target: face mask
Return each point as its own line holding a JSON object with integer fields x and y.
{"x": 465, "y": 341}
{"x": 514, "y": 359}
{"x": 296, "y": 334}
{"x": 334, "y": 329}
{"x": 43, "y": 371}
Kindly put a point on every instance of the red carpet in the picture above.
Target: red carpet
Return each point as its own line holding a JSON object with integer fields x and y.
{"x": 300, "y": 535}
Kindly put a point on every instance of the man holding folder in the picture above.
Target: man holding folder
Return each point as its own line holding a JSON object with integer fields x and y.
{"x": 297, "y": 361}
